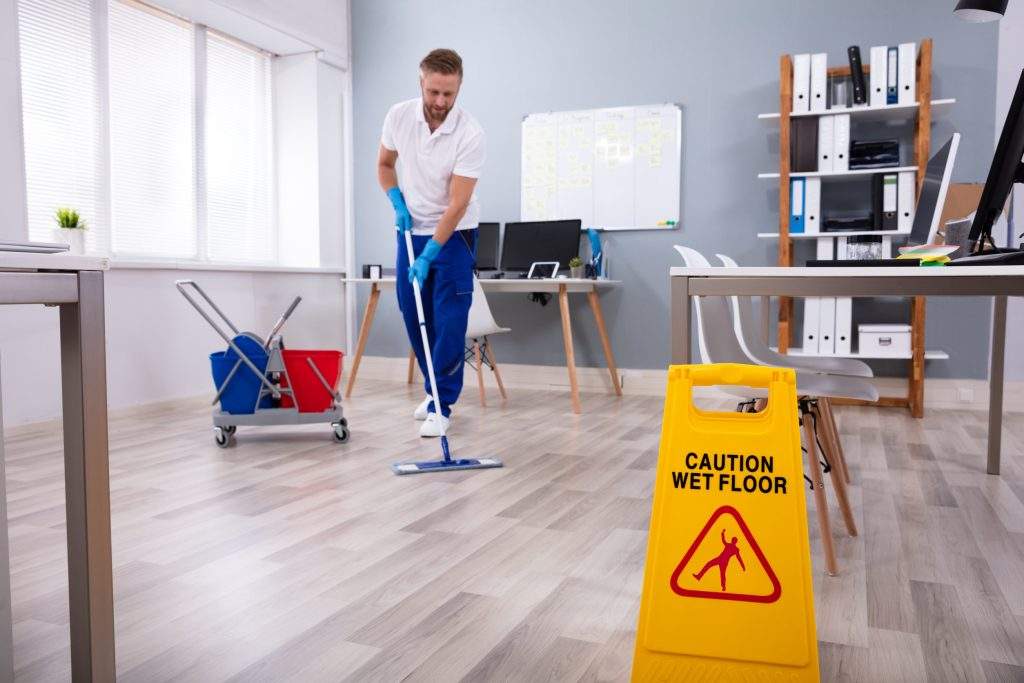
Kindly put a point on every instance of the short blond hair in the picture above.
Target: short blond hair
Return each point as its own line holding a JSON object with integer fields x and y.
{"x": 442, "y": 61}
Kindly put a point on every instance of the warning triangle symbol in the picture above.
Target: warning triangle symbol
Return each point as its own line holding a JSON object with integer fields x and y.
{"x": 709, "y": 568}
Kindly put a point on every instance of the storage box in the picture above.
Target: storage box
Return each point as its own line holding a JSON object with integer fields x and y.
{"x": 884, "y": 341}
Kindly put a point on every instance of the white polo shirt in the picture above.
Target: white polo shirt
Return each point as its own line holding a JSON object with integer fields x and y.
{"x": 427, "y": 161}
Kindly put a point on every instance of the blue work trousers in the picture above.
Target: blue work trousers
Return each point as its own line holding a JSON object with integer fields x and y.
{"x": 447, "y": 295}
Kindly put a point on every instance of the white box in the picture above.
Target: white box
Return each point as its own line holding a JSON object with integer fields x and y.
{"x": 884, "y": 341}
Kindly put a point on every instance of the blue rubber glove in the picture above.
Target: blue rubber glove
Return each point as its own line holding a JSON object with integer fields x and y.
{"x": 421, "y": 266}
{"x": 403, "y": 219}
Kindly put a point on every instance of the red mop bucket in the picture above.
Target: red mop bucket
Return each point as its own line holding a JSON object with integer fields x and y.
{"x": 310, "y": 393}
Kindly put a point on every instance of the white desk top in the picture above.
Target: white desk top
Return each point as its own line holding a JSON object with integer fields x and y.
{"x": 13, "y": 260}
{"x": 867, "y": 271}
{"x": 514, "y": 286}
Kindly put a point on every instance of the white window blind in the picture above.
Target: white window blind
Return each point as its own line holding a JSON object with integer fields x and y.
{"x": 152, "y": 178}
{"x": 61, "y": 116}
{"x": 238, "y": 153}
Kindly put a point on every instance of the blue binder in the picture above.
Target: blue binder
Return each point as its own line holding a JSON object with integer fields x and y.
{"x": 892, "y": 76}
{"x": 797, "y": 204}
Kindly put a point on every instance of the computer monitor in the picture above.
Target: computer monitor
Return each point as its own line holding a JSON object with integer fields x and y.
{"x": 1006, "y": 169}
{"x": 527, "y": 243}
{"x": 937, "y": 175}
{"x": 487, "y": 241}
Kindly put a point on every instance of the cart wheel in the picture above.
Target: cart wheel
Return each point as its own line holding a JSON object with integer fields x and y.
{"x": 230, "y": 429}
{"x": 340, "y": 432}
{"x": 222, "y": 438}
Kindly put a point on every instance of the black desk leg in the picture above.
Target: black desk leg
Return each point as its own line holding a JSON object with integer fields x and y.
{"x": 995, "y": 383}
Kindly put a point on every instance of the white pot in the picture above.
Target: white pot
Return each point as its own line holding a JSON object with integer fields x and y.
{"x": 578, "y": 272}
{"x": 73, "y": 237}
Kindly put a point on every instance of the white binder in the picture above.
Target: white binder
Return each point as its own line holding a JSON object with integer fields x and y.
{"x": 841, "y": 143}
{"x": 905, "y": 201}
{"x": 844, "y": 326}
{"x": 844, "y": 310}
{"x": 811, "y": 307}
{"x": 878, "y": 66}
{"x": 825, "y": 248}
{"x": 819, "y": 81}
{"x": 826, "y": 130}
{"x": 827, "y": 327}
{"x": 812, "y": 206}
{"x": 908, "y": 73}
{"x": 801, "y": 83}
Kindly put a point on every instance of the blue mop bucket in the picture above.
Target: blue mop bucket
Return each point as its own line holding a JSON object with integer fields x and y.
{"x": 239, "y": 397}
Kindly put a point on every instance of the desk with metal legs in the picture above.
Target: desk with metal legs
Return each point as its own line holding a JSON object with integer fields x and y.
{"x": 75, "y": 285}
{"x": 562, "y": 287}
{"x": 997, "y": 282}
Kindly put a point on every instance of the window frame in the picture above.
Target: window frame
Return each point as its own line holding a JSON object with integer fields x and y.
{"x": 100, "y": 54}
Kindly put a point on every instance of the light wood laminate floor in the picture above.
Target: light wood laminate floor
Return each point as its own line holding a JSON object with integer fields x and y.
{"x": 289, "y": 557}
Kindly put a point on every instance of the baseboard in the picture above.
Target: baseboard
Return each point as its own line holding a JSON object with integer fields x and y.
{"x": 938, "y": 393}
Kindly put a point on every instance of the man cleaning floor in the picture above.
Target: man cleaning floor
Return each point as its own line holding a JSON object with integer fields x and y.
{"x": 441, "y": 148}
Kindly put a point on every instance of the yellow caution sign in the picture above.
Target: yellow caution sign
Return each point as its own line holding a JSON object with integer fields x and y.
{"x": 727, "y": 587}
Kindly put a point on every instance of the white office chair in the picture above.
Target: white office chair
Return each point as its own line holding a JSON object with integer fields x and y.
{"x": 756, "y": 347}
{"x": 478, "y": 347}
{"x": 719, "y": 342}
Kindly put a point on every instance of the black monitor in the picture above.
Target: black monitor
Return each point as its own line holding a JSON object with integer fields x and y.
{"x": 487, "y": 241}
{"x": 1006, "y": 169}
{"x": 527, "y": 243}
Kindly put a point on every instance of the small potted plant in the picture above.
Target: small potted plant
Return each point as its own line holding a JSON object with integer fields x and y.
{"x": 71, "y": 229}
{"x": 576, "y": 268}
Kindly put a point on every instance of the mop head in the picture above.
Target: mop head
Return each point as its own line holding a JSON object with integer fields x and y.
{"x": 444, "y": 465}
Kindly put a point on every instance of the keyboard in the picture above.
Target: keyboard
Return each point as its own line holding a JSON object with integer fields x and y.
{"x": 865, "y": 262}
{"x": 1004, "y": 258}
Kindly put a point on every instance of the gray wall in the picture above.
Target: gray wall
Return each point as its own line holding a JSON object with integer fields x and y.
{"x": 719, "y": 61}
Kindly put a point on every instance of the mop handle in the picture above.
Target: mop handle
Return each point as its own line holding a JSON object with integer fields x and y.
{"x": 423, "y": 336}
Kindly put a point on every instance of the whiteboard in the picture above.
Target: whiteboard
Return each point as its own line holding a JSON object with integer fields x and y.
{"x": 615, "y": 169}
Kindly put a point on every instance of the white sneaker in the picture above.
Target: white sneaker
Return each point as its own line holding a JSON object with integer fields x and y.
{"x": 431, "y": 427}
{"x": 421, "y": 410}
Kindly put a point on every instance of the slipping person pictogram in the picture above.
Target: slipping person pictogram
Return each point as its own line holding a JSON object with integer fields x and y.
{"x": 730, "y": 550}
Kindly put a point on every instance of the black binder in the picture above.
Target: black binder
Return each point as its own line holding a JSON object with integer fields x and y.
{"x": 803, "y": 145}
{"x": 857, "y": 75}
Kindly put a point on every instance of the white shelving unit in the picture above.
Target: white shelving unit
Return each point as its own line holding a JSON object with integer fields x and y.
{"x": 890, "y": 120}
{"x": 929, "y": 355}
{"x": 888, "y": 112}
{"x": 831, "y": 233}
{"x": 841, "y": 175}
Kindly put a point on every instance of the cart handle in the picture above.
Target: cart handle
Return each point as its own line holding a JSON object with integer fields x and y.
{"x": 334, "y": 394}
{"x": 281, "y": 321}
{"x": 181, "y": 285}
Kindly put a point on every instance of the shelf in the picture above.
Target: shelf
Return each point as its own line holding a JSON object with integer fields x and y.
{"x": 836, "y": 233}
{"x": 842, "y": 175}
{"x": 928, "y": 355}
{"x": 888, "y": 112}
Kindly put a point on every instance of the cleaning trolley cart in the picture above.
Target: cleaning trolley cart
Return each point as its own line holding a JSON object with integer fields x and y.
{"x": 261, "y": 383}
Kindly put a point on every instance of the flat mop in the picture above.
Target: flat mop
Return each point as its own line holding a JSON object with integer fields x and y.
{"x": 446, "y": 463}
